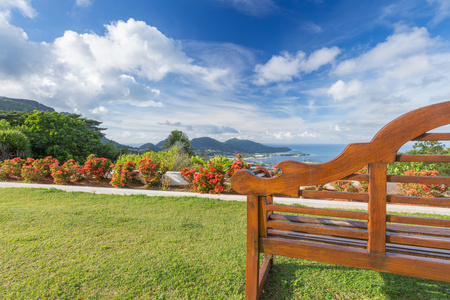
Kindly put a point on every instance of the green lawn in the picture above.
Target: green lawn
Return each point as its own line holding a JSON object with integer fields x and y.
{"x": 60, "y": 245}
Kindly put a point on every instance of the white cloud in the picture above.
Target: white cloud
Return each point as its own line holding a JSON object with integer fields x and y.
{"x": 403, "y": 43}
{"x": 24, "y": 6}
{"x": 341, "y": 90}
{"x": 287, "y": 66}
{"x": 83, "y": 3}
{"x": 100, "y": 110}
{"x": 442, "y": 10}
{"x": 85, "y": 71}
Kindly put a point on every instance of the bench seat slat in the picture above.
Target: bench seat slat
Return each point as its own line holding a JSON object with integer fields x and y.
{"x": 418, "y": 240}
{"x": 348, "y": 242}
{"x": 319, "y": 229}
{"x": 412, "y": 229}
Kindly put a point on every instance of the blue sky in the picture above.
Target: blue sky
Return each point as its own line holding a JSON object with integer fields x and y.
{"x": 280, "y": 72}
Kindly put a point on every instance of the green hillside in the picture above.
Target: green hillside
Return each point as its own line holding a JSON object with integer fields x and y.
{"x": 11, "y": 104}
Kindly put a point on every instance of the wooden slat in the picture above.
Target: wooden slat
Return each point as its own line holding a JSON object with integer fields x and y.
{"x": 319, "y": 211}
{"x": 359, "y": 197}
{"x": 332, "y": 240}
{"x": 422, "y": 158}
{"x": 418, "y": 240}
{"x": 430, "y": 268}
{"x": 416, "y": 250}
{"x": 419, "y": 179}
{"x": 361, "y": 244}
{"x": 428, "y": 201}
{"x": 377, "y": 209}
{"x": 252, "y": 260}
{"x": 316, "y": 220}
{"x": 433, "y": 137}
{"x": 412, "y": 229}
{"x": 262, "y": 217}
{"x": 319, "y": 229}
{"x": 419, "y": 221}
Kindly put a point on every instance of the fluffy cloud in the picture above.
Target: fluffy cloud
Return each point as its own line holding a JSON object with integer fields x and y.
{"x": 23, "y": 6}
{"x": 341, "y": 90}
{"x": 85, "y": 71}
{"x": 285, "y": 67}
{"x": 403, "y": 43}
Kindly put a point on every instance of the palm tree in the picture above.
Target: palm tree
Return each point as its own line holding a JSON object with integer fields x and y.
{"x": 179, "y": 139}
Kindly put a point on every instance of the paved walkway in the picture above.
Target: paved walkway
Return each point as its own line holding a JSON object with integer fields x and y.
{"x": 281, "y": 200}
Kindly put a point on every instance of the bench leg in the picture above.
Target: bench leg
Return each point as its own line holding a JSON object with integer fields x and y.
{"x": 252, "y": 263}
{"x": 264, "y": 271}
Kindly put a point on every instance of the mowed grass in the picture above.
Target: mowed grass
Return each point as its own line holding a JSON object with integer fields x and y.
{"x": 59, "y": 245}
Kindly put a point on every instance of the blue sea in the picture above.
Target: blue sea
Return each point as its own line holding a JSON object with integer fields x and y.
{"x": 318, "y": 153}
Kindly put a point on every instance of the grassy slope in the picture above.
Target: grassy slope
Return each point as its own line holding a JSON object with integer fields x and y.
{"x": 83, "y": 246}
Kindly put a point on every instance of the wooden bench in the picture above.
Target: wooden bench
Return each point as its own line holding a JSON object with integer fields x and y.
{"x": 413, "y": 246}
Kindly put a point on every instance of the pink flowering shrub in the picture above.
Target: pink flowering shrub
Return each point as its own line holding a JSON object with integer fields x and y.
{"x": 37, "y": 169}
{"x": 206, "y": 179}
{"x": 69, "y": 171}
{"x": 96, "y": 168}
{"x": 420, "y": 189}
{"x": 123, "y": 173}
{"x": 238, "y": 164}
{"x": 11, "y": 168}
{"x": 152, "y": 173}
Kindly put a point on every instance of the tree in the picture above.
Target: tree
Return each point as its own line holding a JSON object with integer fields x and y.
{"x": 179, "y": 139}
{"x": 60, "y": 136}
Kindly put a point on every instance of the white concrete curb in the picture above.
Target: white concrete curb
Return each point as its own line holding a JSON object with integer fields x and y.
{"x": 281, "y": 200}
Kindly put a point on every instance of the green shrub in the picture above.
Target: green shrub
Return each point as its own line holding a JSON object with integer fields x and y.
{"x": 13, "y": 143}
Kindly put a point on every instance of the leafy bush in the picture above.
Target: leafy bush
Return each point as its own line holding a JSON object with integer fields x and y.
{"x": 206, "y": 179}
{"x": 123, "y": 173}
{"x": 152, "y": 173}
{"x": 13, "y": 143}
{"x": 349, "y": 186}
{"x": 69, "y": 171}
{"x": 420, "y": 189}
{"x": 37, "y": 169}
{"x": 11, "y": 168}
{"x": 172, "y": 159}
{"x": 96, "y": 168}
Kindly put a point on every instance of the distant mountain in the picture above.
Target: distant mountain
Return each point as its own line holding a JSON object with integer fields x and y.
{"x": 116, "y": 144}
{"x": 12, "y": 104}
{"x": 246, "y": 146}
{"x": 232, "y": 147}
{"x": 203, "y": 144}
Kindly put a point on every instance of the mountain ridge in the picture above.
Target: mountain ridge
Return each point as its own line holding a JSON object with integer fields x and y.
{"x": 15, "y": 104}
